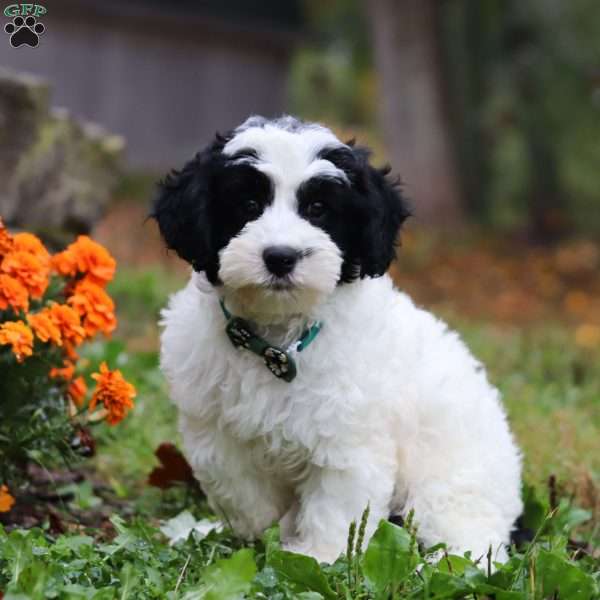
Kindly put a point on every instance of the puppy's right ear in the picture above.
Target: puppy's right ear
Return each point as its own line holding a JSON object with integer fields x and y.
{"x": 180, "y": 209}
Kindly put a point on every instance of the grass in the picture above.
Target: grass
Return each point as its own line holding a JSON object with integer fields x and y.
{"x": 137, "y": 563}
{"x": 551, "y": 390}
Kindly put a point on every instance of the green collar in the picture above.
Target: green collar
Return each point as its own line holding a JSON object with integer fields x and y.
{"x": 279, "y": 361}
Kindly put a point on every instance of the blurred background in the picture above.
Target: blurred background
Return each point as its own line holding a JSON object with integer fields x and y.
{"x": 489, "y": 110}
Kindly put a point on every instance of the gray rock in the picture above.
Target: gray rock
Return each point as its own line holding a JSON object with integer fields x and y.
{"x": 57, "y": 173}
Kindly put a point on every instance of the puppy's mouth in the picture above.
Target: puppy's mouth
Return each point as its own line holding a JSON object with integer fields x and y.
{"x": 280, "y": 284}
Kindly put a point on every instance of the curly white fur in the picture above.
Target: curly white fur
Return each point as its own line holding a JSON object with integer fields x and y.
{"x": 389, "y": 408}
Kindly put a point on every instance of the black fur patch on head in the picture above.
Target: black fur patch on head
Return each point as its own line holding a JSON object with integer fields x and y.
{"x": 363, "y": 217}
{"x": 200, "y": 208}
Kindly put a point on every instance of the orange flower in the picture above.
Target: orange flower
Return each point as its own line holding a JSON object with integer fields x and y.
{"x": 114, "y": 392}
{"x": 6, "y": 240}
{"x": 45, "y": 326}
{"x": 95, "y": 307}
{"x": 77, "y": 391}
{"x": 65, "y": 263}
{"x": 68, "y": 322}
{"x": 27, "y": 242}
{"x": 87, "y": 257}
{"x": 6, "y": 500}
{"x": 13, "y": 293}
{"x": 29, "y": 269}
{"x": 19, "y": 336}
{"x": 65, "y": 372}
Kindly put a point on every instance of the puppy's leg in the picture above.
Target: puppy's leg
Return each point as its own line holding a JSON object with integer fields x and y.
{"x": 248, "y": 500}
{"x": 462, "y": 477}
{"x": 330, "y": 499}
{"x": 452, "y": 512}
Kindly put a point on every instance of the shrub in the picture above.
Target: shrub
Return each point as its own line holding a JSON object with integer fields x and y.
{"x": 49, "y": 306}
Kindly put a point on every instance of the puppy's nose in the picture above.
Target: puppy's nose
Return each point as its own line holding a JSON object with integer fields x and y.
{"x": 280, "y": 260}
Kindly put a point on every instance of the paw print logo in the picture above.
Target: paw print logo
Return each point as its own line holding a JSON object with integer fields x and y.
{"x": 239, "y": 333}
{"x": 279, "y": 363}
{"x": 24, "y": 31}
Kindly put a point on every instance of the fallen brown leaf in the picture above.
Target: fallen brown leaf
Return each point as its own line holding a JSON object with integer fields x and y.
{"x": 174, "y": 468}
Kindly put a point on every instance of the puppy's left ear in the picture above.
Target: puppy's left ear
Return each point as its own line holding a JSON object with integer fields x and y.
{"x": 180, "y": 208}
{"x": 388, "y": 210}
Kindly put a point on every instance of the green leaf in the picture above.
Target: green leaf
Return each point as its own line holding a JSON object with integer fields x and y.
{"x": 267, "y": 579}
{"x": 271, "y": 540}
{"x": 390, "y": 557}
{"x": 534, "y": 510}
{"x": 74, "y": 543}
{"x": 128, "y": 582}
{"x": 228, "y": 579}
{"x": 557, "y": 575}
{"x": 446, "y": 585}
{"x": 125, "y": 539}
{"x": 302, "y": 571}
{"x": 154, "y": 578}
{"x": 454, "y": 564}
{"x": 18, "y": 550}
{"x": 504, "y": 595}
{"x": 471, "y": 582}
{"x": 568, "y": 517}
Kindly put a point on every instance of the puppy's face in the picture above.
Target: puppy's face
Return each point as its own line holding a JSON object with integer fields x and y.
{"x": 279, "y": 213}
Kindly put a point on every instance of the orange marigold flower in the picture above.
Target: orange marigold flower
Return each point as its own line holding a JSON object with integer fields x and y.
{"x": 69, "y": 323}
{"x": 19, "y": 336}
{"x": 45, "y": 326}
{"x": 6, "y": 500}
{"x": 65, "y": 372}
{"x": 65, "y": 263}
{"x": 29, "y": 269}
{"x": 27, "y": 242}
{"x": 77, "y": 391}
{"x": 95, "y": 307}
{"x": 6, "y": 240}
{"x": 13, "y": 293}
{"x": 87, "y": 257}
{"x": 114, "y": 392}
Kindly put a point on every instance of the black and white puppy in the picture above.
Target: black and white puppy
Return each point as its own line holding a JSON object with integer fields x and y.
{"x": 307, "y": 386}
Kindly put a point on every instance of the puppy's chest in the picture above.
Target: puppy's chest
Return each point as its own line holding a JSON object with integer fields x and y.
{"x": 288, "y": 422}
{"x": 280, "y": 423}
{"x": 273, "y": 414}
{"x": 274, "y": 454}
{"x": 272, "y": 431}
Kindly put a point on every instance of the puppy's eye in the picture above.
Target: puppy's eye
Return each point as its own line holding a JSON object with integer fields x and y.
{"x": 315, "y": 210}
{"x": 252, "y": 208}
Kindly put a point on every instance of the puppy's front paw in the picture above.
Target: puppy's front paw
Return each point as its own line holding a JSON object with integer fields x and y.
{"x": 321, "y": 552}
{"x": 251, "y": 526}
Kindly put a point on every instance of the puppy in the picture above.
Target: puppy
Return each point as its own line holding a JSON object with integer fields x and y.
{"x": 308, "y": 387}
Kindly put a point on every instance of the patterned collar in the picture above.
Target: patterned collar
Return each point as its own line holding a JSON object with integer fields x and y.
{"x": 279, "y": 361}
